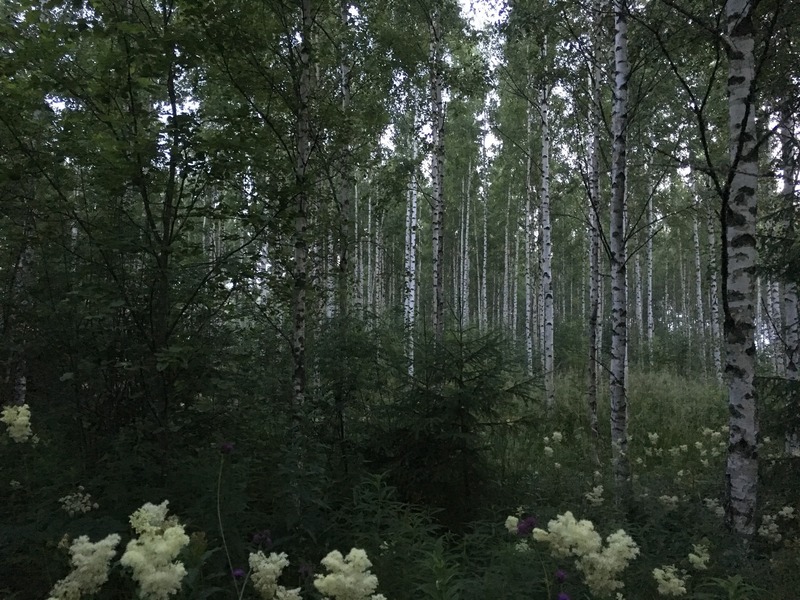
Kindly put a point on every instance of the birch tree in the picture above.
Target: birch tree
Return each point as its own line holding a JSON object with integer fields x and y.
{"x": 739, "y": 261}
{"x": 617, "y": 251}
{"x": 437, "y": 110}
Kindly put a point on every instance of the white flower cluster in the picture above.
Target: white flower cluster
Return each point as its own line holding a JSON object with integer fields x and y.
{"x": 699, "y": 556}
{"x": 714, "y": 506}
{"x": 264, "y": 572}
{"x": 349, "y": 577}
{"x": 669, "y": 581}
{"x": 511, "y": 524}
{"x": 152, "y": 555}
{"x": 595, "y": 497}
{"x": 769, "y": 528}
{"x": 668, "y": 502}
{"x": 90, "y": 562}
{"x": 78, "y": 503}
{"x": 18, "y": 422}
{"x": 601, "y": 566}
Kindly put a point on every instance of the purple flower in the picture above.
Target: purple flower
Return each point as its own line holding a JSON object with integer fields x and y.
{"x": 561, "y": 575}
{"x": 226, "y": 447}
{"x": 525, "y": 527}
{"x": 263, "y": 538}
{"x": 238, "y": 573}
{"x": 306, "y": 570}
{"x": 563, "y": 596}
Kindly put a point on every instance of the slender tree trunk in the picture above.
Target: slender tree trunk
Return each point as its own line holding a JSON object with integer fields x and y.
{"x": 484, "y": 309}
{"x": 437, "y": 171}
{"x": 529, "y": 251}
{"x": 507, "y": 260}
{"x": 595, "y": 213}
{"x": 347, "y": 179}
{"x": 410, "y": 289}
{"x": 515, "y": 284}
{"x": 775, "y": 328}
{"x": 791, "y": 330}
{"x": 716, "y": 338}
{"x": 465, "y": 266}
{"x": 547, "y": 254}
{"x": 698, "y": 282}
{"x": 740, "y": 257}
{"x": 651, "y": 328}
{"x": 619, "y": 333}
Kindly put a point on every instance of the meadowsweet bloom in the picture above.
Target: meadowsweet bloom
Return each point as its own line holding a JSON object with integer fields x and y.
{"x": 653, "y": 437}
{"x": 787, "y": 512}
{"x": 15, "y": 485}
{"x": 265, "y": 571}
{"x": 18, "y": 422}
{"x": 557, "y": 465}
{"x": 669, "y": 502}
{"x": 91, "y": 563}
{"x": 548, "y": 451}
{"x": 714, "y": 506}
{"x": 511, "y": 524}
{"x": 557, "y": 437}
{"x": 78, "y": 503}
{"x": 699, "y": 557}
{"x": 595, "y": 497}
{"x": 152, "y": 555}
{"x": 769, "y": 528}
{"x": 669, "y": 582}
{"x": 600, "y": 566}
{"x": 349, "y": 577}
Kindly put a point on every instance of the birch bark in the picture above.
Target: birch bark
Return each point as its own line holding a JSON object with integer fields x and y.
{"x": 437, "y": 171}
{"x": 547, "y": 254}
{"x": 739, "y": 263}
{"x": 619, "y": 333}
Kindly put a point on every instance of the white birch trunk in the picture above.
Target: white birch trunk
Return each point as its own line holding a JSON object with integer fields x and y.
{"x": 484, "y": 308}
{"x": 775, "y": 328}
{"x": 303, "y": 147}
{"x": 619, "y": 333}
{"x": 791, "y": 331}
{"x": 698, "y": 283}
{"x": 465, "y": 266}
{"x": 547, "y": 255}
{"x": 716, "y": 338}
{"x": 595, "y": 213}
{"x": 437, "y": 171}
{"x": 651, "y": 327}
{"x": 515, "y": 284}
{"x": 410, "y": 288}
{"x": 506, "y": 315}
{"x": 740, "y": 258}
{"x": 529, "y": 251}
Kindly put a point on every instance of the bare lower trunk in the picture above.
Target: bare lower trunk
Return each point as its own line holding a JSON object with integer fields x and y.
{"x": 716, "y": 337}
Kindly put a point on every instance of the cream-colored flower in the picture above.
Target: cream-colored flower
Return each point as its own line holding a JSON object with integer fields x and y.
{"x": 78, "y": 503}
{"x": 152, "y": 555}
{"x": 18, "y": 422}
{"x": 90, "y": 563}
{"x": 511, "y": 524}
{"x": 349, "y": 577}
{"x": 264, "y": 573}
{"x": 699, "y": 557}
{"x": 669, "y": 581}
{"x": 548, "y": 451}
{"x": 557, "y": 437}
{"x": 595, "y": 496}
{"x": 653, "y": 437}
